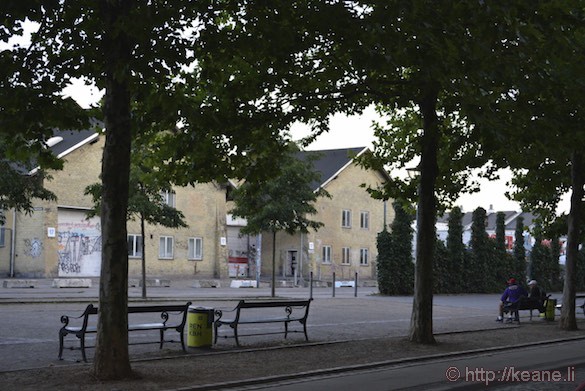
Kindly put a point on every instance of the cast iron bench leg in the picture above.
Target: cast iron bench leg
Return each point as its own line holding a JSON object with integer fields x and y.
{"x": 82, "y": 344}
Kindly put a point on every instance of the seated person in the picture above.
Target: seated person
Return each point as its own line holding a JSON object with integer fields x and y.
{"x": 511, "y": 295}
{"x": 536, "y": 296}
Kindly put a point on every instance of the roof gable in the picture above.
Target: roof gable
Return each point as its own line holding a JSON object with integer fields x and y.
{"x": 329, "y": 163}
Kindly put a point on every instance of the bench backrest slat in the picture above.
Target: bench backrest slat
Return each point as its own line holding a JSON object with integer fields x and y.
{"x": 164, "y": 310}
{"x": 264, "y": 304}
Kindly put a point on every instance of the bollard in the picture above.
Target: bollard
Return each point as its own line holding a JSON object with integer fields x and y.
{"x": 333, "y": 284}
{"x": 355, "y": 282}
{"x": 311, "y": 285}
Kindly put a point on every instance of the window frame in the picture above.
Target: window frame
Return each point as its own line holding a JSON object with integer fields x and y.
{"x": 326, "y": 254}
{"x": 364, "y": 256}
{"x": 192, "y": 245}
{"x": 137, "y": 251}
{"x": 346, "y": 218}
{"x": 169, "y": 197}
{"x": 166, "y": 239}
{"x": 346, "y": 255}
{"x": 365, "y": 219}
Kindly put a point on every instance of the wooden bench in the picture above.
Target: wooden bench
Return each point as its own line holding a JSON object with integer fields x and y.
{"x": 177, "y": 314}
{"x": 255, "y": 312}
{"x": 525, "y": 304}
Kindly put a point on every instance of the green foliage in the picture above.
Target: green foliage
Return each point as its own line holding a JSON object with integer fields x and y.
{"x": 384, "y": 269}
{"x": 282, "y": 203}
{"x": 18, "y": 189}
{"x": 481, "y": 255}
{"x": 394, "y": 263}
{"x": 580, "y": 275}
{"x": 520, "y": 265}
{"x": 442, "y": 277}
{"x": 454, "y": 274}
{"x": 544, "y": 262}
{"x": 148, "y": 181}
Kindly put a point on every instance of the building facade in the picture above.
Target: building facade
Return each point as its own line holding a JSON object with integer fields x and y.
{"x": 58, "y": 240}
{"x": 346, "y": 244}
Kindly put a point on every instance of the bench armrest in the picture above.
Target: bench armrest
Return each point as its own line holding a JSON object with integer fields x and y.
{"x": 88, "y": 310}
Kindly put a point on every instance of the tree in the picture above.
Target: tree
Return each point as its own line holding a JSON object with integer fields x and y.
{"x": 283, "y": 203}
{"x": 395, "y": 267}
{"x": 18, "y": 188}
{"x": 458, "y": 272}
{"x": 142, "y": 55}
{"x": 554, "y": 270}
{"x": 538, "y": 257}
{"x": 543, "y": 92}
{"x": 384, "y": 270}
{"x": 502, "y": 264}
{"x": 145, "y": 201}
{"x": 480, "y": 248}
{"x": 441, "y": 261}
{"x": 519, "y": 250}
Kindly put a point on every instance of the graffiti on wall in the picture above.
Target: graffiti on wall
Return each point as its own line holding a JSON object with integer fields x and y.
{"x": 33, "y": 247}
{"x": 73, "y": 246}
{"x": 79, "y": 245}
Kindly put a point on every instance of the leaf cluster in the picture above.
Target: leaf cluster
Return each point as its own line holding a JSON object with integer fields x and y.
{"x": 284, "y": 202}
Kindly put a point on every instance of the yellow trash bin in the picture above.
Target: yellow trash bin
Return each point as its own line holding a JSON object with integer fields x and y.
{"x": 200, "y": 331}
{"x": 551, "y": 305}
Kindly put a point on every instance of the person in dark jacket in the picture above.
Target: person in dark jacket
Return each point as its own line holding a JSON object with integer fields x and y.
{"x": 513, "y": 293}
{"x": 536, "y": 295}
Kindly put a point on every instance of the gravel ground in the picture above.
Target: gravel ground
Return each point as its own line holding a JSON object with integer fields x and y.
{"x": 219, "y": 365}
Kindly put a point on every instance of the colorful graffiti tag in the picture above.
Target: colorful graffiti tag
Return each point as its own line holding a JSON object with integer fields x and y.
{"x": 79, "y": 245}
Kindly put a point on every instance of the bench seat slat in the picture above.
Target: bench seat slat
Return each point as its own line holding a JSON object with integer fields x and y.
{"x": 263, "y": 320}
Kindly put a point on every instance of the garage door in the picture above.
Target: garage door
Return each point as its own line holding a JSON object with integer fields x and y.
{"x": 80, "y": 244}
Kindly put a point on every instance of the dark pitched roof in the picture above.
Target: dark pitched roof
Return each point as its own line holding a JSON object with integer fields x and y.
{"x": 72, "y": 139}
{"x": 330, "y": 162}
{"x": 65, "y": 141}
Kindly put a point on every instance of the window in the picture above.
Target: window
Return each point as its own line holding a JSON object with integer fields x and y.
{"x": 346, "y": 218}
{"x": 364, "y": 256}
{"x": 168, "y": 197}
{"x": 165, "y": 250}
{"x": 345, "y": 256}
{"x": 2, "y": 236}
{"x": 365, "y": 220}
{"x": 134, "y": 246}
{"x": 195, "y": 249}
{"x": 326, "y": 254}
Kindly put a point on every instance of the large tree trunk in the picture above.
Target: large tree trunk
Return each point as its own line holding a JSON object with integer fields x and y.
{"x": 111, "y": 353}
{"x": 421, "y": 324}
{"x": 568, "y": 321}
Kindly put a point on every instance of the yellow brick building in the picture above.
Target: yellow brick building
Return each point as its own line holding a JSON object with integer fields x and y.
{"x": 346, "y": 244}
{"x": 57, "y": 240}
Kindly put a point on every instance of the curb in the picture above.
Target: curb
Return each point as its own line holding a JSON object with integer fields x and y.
{"x": 369, "y": 366}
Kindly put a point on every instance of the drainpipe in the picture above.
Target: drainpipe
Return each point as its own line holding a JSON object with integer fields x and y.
{"x": 12, "y": 243}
